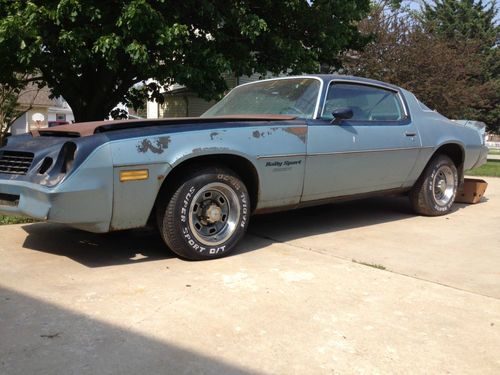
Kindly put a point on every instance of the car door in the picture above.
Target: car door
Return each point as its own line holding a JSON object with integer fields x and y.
{"x": 374, "y": 150}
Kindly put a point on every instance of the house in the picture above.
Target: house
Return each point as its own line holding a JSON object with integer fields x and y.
{"x": 41, "y": 110}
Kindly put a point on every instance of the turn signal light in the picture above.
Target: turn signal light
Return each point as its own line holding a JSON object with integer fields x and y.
{"x": 135, "y": 175}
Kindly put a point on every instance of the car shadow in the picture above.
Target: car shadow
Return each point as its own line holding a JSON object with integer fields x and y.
{"x": 290, "y": 225}
{"x": 96, "y": 250}
{"x": 143, "y": 245}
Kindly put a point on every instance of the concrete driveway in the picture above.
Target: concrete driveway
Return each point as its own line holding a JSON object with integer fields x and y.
{"x": 352, "y": 288}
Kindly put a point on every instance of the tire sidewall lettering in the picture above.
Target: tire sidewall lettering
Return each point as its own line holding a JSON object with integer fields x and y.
{"x": 185, "y": 203}
{"x": 244, "y": 210}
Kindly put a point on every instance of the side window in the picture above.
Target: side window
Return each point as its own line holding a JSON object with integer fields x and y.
{"x": 368, "y": 103}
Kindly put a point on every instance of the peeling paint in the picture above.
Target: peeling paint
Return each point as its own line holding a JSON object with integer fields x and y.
{"x": 165, "y": 141}
{"x": 160, "y": 144}
{"x": 213, "y": 135}
{"x": 299, "y": 131}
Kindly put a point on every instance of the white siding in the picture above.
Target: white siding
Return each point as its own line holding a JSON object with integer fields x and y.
{"x": 174, "y": 106}
{"x": 20, "y": 126}
{"x": 152, "y": 109}
{"x": 197, "y": 106}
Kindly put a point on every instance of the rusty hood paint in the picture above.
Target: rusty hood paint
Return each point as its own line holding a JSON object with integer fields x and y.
{"x": 85, "y": 129}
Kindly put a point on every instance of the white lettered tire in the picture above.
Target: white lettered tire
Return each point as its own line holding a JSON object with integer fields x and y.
{"x": 206, "y": 215}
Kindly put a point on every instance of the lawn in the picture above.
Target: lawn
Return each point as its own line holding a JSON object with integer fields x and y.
{"x": 490, "y": 169}
{"x": 494, "y": 151}
{"x": 14, "y": 220}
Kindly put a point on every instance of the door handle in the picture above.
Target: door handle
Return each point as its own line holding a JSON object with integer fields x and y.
{"x": 410, "y": 134}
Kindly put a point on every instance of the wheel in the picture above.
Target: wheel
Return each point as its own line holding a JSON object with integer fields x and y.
{"x": 434, "y": 192}
{"x": 206, "y": 214}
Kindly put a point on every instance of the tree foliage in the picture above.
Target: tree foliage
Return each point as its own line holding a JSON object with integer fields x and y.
{"x": 92, "y": 52}
{"x": 449, "y": 71}
{"x": 461, "y": 19}
{"x": 10, "y": 108}
{"x": 462, "y": 22}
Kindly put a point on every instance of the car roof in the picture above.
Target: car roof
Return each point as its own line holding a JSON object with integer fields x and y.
{"x": 326, "y": 78}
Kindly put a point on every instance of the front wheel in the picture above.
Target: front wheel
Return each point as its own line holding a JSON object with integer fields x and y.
{"x": 434, "y": 192}
{"x": 206, "y": 215}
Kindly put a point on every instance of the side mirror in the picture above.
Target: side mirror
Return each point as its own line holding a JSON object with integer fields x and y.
{"x": 341, "y": 114}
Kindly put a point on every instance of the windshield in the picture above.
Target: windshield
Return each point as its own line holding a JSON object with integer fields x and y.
{"x": 290, "y": 96}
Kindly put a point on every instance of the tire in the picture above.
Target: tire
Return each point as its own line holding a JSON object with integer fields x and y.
{"x": 434, "y": 192}
{"x": 205, "y": 215}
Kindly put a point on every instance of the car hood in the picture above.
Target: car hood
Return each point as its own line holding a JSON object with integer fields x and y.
{"x": 85, "y": 129}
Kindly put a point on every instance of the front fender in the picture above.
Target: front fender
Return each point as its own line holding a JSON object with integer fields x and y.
{"x": 262, "y": 146}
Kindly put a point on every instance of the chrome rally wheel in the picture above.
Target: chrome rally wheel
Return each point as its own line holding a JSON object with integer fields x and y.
{"x": 214, "y": 213}
{"x": 444, "y": 185}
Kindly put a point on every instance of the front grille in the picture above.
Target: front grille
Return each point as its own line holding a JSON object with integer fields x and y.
{"x": 15, "y": 162}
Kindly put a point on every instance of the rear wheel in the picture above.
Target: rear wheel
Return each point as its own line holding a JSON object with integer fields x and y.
{"x": 434, "y": 192}
{"x": 206, "y": 215}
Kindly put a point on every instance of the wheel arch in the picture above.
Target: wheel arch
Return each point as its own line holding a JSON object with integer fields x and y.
{"x": 456, "y": 152}
{"x": 242, "y": 166}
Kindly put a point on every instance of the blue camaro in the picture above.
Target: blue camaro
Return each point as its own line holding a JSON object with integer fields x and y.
{"x": 269, "y": 145}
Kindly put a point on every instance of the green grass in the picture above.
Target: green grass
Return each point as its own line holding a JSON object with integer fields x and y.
{"x": 4, "y": 220}
{"x": 490, "y": 169}
{"x": 494, "y": 152}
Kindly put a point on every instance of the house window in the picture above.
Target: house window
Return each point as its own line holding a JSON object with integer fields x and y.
{"x": 60, "y": 117}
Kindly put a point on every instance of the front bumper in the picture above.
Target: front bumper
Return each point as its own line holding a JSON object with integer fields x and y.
{"x": 24, "y": 199}
{"x": 87, "y": 208}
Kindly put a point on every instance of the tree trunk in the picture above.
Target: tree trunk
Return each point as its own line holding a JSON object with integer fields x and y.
{"x": 84, "y": 114}
{"x": 92, "y": 103}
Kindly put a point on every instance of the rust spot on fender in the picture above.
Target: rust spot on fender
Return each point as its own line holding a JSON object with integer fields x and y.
{"x": 213, "y": 135}
{"x": 256, "y": 134}
{"x": 299, "y": 131}
{"x": 160, "y": 144}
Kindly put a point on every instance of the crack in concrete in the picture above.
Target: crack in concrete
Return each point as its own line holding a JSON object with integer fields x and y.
{"x": 324, "y": 252}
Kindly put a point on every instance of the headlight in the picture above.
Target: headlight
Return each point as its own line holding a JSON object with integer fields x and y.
{"x": 67, "y": 157}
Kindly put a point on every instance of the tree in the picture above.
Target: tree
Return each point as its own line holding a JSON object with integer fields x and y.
{"x": 8, "y": 109}
{"x": 471, "y": 21}
{"x": 447, "y": 75}
{"x": 461, "y": 19}
{"x": 92, "y": 52}
{"x": 16, "y": 99}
